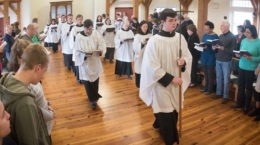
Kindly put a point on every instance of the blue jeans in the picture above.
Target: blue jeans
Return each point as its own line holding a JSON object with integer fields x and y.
{"x": 223, "y": 74}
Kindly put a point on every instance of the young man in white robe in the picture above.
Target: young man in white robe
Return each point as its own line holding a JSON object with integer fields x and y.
{"x": 89, "y": 47}
{"x": 140, "y": 41}
{"x": 108, "y": 32}
{"x": 75, "y": 30}
{"x": 160, "y": 79}
{"x": 65, "y": 45}
{"x": 61, "y": 22}
{"x": 124, "y": 51}
{"x": 53, "y": 35}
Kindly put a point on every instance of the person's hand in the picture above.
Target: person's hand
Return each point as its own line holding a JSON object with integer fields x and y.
{"x": 50, "y": 108}
{"x": 257, "y": 71}
{"x": 144, "y": 42}
{"x": 177, "y": 81}
{"x": 247, "y": 57}
{"x": 181, "y": 61}
{"x": 219, "y": 47}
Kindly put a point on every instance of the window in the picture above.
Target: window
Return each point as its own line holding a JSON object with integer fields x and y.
{"x": 242, "y": 3}
{"x": 240, "y": 11}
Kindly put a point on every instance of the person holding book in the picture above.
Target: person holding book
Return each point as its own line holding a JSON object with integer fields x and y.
{"x": 247, "y": 66}
{"x": 139, "y": 45}
{"x": 108, "y": 32}
{"x": 207, "y": 58}
{"x": 124, "y": 51}
{"x": 193, "y": 38}
{"x": 160, "y": 78}
{"x": 89, "y": 46}
{"x": 223, "y": 61}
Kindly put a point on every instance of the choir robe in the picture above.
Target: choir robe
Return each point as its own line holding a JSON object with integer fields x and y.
{"x": 53, "y": 37}
{"x": 139, "y": 49}
{"x": 124, "y": 52}
{"x": 90, "y": 66}
{"x": 109, "y": 38}
{"x": 65, "y": 45}
{"x": 98, "y": 26}
{"x": 48, "y": 37}
{"x": 75, "y": 30}
{"x": 159, "y": 67}
{"x": 59, "y": 29}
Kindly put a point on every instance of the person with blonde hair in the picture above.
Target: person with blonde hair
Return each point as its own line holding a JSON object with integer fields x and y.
{"x": 13, "y": 66}
{"x": 28, "y": 126}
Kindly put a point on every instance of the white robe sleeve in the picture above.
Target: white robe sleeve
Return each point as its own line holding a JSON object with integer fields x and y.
{"x": 151, "y": 73}
{"x": 72, "y": 37}
{"x": 137, "y": 46}
{"x": 101, "y": 44}
{"x": 79, "y": 56}
{"x": 117, "y": 40}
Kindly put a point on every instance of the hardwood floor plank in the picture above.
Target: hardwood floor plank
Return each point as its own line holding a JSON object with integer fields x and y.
{"x": 123, "y": 119}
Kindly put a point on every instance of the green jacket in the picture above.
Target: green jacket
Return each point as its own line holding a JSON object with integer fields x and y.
{"x": 27, "y": 124}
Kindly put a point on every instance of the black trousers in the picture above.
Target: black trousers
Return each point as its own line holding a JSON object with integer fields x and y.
{"x": 55, "y": 47}
{"x": 257, "y": 96}
{"x": 137, "y": 80}
{"x": 209, "y": 72}
{"x": 92, "y": 90}
{"x": 123, "y": 68}
{"x": 110, "y": 53}
{"x": 76, "y": 72}
{"x": 194, "y": 68}
{"x": 167, "y": 123}
{"x": 245, "y": 88}
{"x": 68, "y": 61}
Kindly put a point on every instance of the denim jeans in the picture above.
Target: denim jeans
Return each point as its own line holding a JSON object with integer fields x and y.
{"x": 222, "y": 77}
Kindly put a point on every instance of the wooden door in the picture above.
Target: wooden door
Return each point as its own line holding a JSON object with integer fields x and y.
{"x": 128, "y": 10}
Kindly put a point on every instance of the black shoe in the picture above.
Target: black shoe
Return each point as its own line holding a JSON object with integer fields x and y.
{"x": 207, "y": 93}
{"x": 216, "y": 97}
{"x": 225, "y": 101}
{"x": 257, "y": 118}
{"x": 203, "y": 90}
{"x": 156, "y": 125}
{"x": 93, "y": 105}
{"x": 235, "y": 106}
{"x": 252, "y": 113}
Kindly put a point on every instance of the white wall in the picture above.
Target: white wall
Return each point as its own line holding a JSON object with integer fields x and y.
{"x": 216, "y": 11}
{"x": 141, "y": 12}
{"x": 25, "y": 13}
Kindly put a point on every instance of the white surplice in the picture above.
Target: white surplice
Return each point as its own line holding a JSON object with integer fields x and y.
{"x": 161, "y": 56}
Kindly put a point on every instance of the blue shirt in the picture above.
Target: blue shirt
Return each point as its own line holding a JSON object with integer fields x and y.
{"x": 208, "y": 55}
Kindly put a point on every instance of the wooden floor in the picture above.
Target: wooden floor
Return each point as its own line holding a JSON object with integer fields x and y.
{"x": 123, "y": 119}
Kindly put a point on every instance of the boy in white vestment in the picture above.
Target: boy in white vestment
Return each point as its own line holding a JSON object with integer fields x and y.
{"x": 65, "y": 45}
{"x": 75, "y": 30}
{"x": 89, "y": 47}
{"x": 160, "y": 79}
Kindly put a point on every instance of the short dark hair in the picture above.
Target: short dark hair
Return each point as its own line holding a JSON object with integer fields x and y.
{"x": 209, "y": 24}
{"x": 241, "y": 27}
{"x": 139, "y": 30}
{"x": 253, "y": 30}
{"x": 192, "y": 27}
{"x": 167, "y": 13}
{"x": 88, "y": 23}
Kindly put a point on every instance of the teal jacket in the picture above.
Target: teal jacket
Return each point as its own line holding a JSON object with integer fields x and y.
{"x": 253, "y": 47}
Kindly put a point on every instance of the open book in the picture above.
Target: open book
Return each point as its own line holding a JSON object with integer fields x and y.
{"x": 242, "y": 52}
{"x": 215, "y": 42}
{"x": 91, "y": 53}
{"x": 3, "y": 44}
{"x": 202, "y": 44}
{"x": 99, "y": 24}
{"x": 110, "y": 29}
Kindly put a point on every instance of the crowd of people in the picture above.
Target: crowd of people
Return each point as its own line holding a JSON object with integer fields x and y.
{"x": 153, "y": 48}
